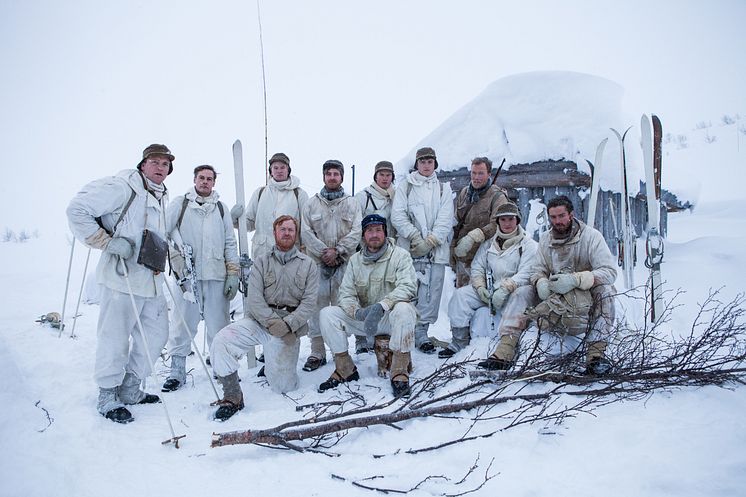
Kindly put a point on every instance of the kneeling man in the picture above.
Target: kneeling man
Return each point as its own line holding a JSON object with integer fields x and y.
{"x": 374, "y": 300}
{"x": 282, "y": 296}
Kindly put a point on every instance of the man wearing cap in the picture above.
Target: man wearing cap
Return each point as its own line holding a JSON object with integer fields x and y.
{"x": 197, "y": 221}
{"x": 282, "y": 296}
{"x": 374, "y": 300}
{"x": 574, "y": 277}
{"x": 500, "y": 275}
{"x": 111, "y": 214}
{"x": 330, "y": 227}
{"x": 282, "y": 195}
{"x": 422, "y": 213}
{"x": 476, "y": 207}
{"x": 377, "y": 199}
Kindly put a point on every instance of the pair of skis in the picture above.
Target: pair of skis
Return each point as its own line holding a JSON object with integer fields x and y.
{"x": 652, "y": 158}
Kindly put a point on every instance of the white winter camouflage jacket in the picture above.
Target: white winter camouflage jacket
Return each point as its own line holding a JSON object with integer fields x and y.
{"x": 106, "y": 198}
{"x": 331, "y": 224}
{"x": 514, "y": 261}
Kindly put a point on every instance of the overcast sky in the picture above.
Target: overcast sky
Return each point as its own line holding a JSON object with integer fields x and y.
{"x": 86, "y": 85}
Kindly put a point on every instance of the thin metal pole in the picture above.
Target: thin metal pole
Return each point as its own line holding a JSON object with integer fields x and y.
{"x": 264, "y": 92}
{"x": 67, "y": 286}
{"x": 80, "y": 293}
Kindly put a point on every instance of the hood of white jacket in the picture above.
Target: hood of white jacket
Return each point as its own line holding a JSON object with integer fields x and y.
{"x": 289, "y": 184}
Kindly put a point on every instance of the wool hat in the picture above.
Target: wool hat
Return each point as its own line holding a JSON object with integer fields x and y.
{"x": 279, "y": 157}
{"x": 373, "y": 219}
{"x": 383, "y": 165}
{"x": 425, "y": 153}
{"x": 334, "y": 164}
{"x": 509, "y": 209}
{"x": 157, "y": 149}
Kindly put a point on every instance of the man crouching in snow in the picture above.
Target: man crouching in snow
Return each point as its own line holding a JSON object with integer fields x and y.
{"x": 574, "y": 277}
{"x": 374, "y": 300}
{"x": 282, "y": 291}
{"x": 112, "y": 214}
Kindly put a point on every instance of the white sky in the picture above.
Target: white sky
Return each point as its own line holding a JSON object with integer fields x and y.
{"x": 86, "y": 85}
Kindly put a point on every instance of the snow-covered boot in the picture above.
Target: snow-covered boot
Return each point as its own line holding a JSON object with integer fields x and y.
{"x": 318, "y": 355}
{"x": 177, "y": 377}
{"x": 421, "y": 340}
{"x": 596, "y": 363}
{"x": 460, "y": 338}
{"x": 401, "y": 365}
{"x": 344, "y": 371}
{"x": 504, "y": 355}
{"x": 232, "y": 400}
{"x": 111, "y": 407}
{"x": 129, "y": 391}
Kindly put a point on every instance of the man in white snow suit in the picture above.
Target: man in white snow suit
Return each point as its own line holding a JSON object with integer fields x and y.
{"x": 330, "y": 227}
{"x": 374, "y": 300}
{"x": 422, "y": 214}
{"x": 377, "y": 199}
{"x": 476, "y": 209}
{"x": 500, "y": 275}
{"x": 197, "y": 222}
{"x": 112, "y": 214}
{"x": 282, "y": 195}
{"x": 574, "y": 278}
{"x": 282, "y": 296}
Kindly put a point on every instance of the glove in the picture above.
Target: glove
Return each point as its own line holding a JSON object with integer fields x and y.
{"x": 418, "y": 246}
{"x": 120, "y": 247}
{"x": 362, "y": 313}
{"x": 509, "y": 284}
{"x": 484, "y": 294}
{"x": 236, "y": 212}
{"x": 278, "y": 327}
{"x": 563, "y": 283}
{"x": 467, "y": 243}
{"x": 231, "y": 286}
{"x": 375, "y": 314}
{"x": 499, "y": 298}
{"x": 542, "y": 289}
{"x": 432, "y": 240}
{"x": 178, "y": 264}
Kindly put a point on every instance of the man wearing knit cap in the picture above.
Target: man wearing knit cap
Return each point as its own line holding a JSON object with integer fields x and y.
{"x": 422, "y": 213}
{"x": 476, "y": 221}
{"x": 383, "y": 310}
{"x": 330, "y": 227}
{"x": 282, "y": 196}
{"x": 377, "y": 199}
{"x": 500, "y": 269}
{"x": 112, "y": 214}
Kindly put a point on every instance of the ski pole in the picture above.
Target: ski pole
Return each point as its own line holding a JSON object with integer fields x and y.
{"x": 80, "y": 293}
{"x": 67, "y": 286}
{"x": 184, "y": 324}
{"x": 174, "y": 439}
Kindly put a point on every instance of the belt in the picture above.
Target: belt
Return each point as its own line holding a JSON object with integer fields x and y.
{"x": 288, "y": 308}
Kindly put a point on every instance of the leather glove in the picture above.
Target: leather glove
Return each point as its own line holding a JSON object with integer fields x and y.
{"x": 418, "y": 246}
{"x": 542, "y": 289}
{"x": 231, "y": 286}
{"x": 500, "y": 297}
{"x": 120, "y": 247}
{"x": 509, "y": 284}
{"x": 236, "y": 212}
{"x": 375, "y": 314}
{"x": 178, "y": 264}
{"x": 432, "y": 240}
{"x": 467, "y": 243}
{"x": 484, "y": 294}
{"x": 278, "y": 327}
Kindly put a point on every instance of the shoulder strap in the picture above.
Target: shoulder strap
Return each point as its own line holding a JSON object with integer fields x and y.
{"x": 261, "y": 190}
{"x": 183, "y": 209}
{"x": 121, "y": 215}
{"x": 370, "y": 200}
{"x": 221, "y": 209}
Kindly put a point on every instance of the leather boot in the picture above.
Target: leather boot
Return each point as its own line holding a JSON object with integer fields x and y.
{"x": 129, "y": 391}
{"x": 232, "y": 400}
{"x": 344, "y": 371}
{"x": 503, "y": 357}
{"x": 383, "y": 355}
{"x": 401, "y": 365}
{"x": 177, "y": 377}
{"x": 596, "y": 363}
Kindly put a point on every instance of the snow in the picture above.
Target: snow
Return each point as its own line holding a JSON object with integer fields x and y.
{"x": 686, "y": 442}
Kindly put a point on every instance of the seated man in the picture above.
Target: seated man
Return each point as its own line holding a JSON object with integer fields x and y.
{"x": 500, "y": 267}
{"x": 282, "y": 296}
{"x": 374, "y": 300}
{"x": 574, "y": 277}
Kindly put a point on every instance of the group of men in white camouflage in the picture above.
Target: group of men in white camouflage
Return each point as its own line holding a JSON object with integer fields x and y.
{"x": 329, "y": 266}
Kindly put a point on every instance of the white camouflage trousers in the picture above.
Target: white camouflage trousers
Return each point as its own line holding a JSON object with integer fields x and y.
{"x": 399, "y": 323}
{"x": 117, "y": 325}
{"x": 216, "y": 314}
{"x": 280, "y": 359}
{"x": 328, "y": 291}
